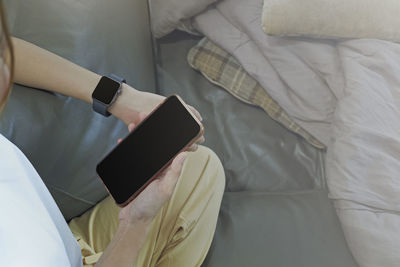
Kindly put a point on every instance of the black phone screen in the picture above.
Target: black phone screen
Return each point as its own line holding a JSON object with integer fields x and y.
{"x": 147, "y": 149}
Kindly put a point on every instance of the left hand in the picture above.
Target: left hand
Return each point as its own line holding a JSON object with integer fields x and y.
{"x": 147, "y": 204}
{"x": 133, "y": 104}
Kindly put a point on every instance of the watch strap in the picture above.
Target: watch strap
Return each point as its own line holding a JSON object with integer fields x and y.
{"x": 101, "y": 108}
{"x": 116, "y": 78}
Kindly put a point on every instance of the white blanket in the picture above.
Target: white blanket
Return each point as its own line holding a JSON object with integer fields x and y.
{"x": 304, "y": 76}
{"x": 347, "y": 94}
{"x": 167, "y": 15}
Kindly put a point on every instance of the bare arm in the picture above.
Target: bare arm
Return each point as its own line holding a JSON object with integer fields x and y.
{"x": 39, "y": 68}
{"x": 125, "y": 245}
{"x": 36, "y": 67}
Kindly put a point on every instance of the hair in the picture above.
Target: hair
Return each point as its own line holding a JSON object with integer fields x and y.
{"x": 7, "y": 52}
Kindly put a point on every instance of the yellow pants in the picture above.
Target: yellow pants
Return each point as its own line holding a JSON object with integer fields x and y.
{"x": 180, "y": 234}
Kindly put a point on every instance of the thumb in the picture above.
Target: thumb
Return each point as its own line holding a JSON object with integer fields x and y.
{"x": 173, "y": 173}
{"x": 178, "y": 161}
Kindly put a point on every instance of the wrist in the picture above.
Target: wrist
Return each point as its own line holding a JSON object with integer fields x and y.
{"x": 131, "y": 224}
{"x": 127, "y": 104}
{"x": 137, "y": 230}
{"x": 125, "y": 245}
{"x": 127, "y": 219}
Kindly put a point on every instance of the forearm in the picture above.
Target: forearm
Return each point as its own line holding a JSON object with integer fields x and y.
{"x": 125, "y": 245}
{"x": 39, "y": 68}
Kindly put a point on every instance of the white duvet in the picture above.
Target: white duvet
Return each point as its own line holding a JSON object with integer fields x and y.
{"x": 347, "y": 94}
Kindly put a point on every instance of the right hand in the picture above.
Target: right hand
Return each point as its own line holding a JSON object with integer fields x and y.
{"x": 149, "y": 202}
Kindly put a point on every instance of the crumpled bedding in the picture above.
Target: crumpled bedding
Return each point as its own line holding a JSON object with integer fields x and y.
{"x": 347, "y": 94}
{"x": 168, "y": 15}
{"x": 303, "y": 76}
{"x": 362, "y": 164}
{"x": 275, "y": 210}
{"x": 222, "y": 69}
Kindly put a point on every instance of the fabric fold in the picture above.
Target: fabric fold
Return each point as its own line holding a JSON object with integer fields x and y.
{"x": 222, "y": 69}
{"x": 346, "y": 94}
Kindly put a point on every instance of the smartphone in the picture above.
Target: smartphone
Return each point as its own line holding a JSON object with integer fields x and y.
{"x": 148, "y": 149}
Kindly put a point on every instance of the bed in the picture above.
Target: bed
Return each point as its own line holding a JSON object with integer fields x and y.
{"x": 275, "y": 211}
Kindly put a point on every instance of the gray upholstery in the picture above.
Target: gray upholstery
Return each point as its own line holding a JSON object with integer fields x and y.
{"x": 275, "y": 212}
{"x": 277, "y": 229}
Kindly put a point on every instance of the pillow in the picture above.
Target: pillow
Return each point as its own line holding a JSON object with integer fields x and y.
{"x": 222, "y": 69}
{"x": 167, "y": 15}
{"x": 333, "y": 18}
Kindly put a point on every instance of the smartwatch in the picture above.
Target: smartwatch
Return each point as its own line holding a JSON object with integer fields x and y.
{"x": 106, "y": 92}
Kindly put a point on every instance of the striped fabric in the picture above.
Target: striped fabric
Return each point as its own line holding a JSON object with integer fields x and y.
{"x": 224, "y": 70}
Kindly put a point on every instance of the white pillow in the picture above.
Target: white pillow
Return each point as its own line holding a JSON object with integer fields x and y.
{"x": 166, "y": 15}
{"x": 378, "y": 19}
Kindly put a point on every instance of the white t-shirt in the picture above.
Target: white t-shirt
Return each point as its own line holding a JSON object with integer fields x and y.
{"x": 33, "y": 231}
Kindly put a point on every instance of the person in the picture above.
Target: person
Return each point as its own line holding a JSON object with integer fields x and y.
{"x": 170, "y": 223}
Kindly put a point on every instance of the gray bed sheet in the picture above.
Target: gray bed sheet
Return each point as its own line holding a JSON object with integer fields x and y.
{"x": 275, "y": 211}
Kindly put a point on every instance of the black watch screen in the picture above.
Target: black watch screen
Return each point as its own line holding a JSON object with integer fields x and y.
{"x": 105, "y": 90}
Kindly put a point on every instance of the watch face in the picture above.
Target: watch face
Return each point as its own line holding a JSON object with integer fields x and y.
{"x": 105, "y": 90}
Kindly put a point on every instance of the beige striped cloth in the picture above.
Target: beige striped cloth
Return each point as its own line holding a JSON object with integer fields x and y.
{"x": 224, "y": 70}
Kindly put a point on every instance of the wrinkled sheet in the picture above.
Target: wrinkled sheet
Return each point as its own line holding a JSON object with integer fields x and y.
{"x": 301, "y": 75}
{"x": 166, "y": 15}
{"x": 347, "y": 94}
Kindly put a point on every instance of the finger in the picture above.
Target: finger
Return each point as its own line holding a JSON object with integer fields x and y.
{"x": 196, "y": 113}
{"x": 201, "y": 140}
{"x": 131, "y": 126}
{"x": 142, "y": 115}
{"x": 168, "y": 182}
{"x": 192, "y": 148}
{"x": 176, "y": 165}
{"x": 164, "y": 172}
{"x": 119, "y": 140}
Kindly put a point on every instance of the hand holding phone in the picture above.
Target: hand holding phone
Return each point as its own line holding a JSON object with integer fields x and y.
{"x": 170, "y": 129}
{"x": 148, "y": 203}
